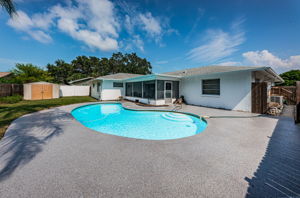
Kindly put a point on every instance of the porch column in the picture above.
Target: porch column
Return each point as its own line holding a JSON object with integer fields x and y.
{"x": 155, "y": 89}
{"x": 142, "y": 89}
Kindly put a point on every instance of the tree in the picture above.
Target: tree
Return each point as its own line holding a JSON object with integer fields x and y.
{"x": 290, "y": 77}
{"x": 86, "y": 66}
{"x": 129, "y": 63}
{"x": 116, "y": 63}
{"x": 26, "y": 73}
{"x": 9, "y": 6}
{"x": 61, "y": 71}
{"x": 83, "y": 66}
{"x": 137, "y": 65}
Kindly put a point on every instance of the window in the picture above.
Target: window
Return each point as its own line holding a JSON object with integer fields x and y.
{"x": 211, "y": 87}
{"x": 137, "y": 89}
{"x": 117, "y": 84}
{"x": 149, "y": 89}
{"x": 160, "y": 89}
{"x": 128, "y": 89}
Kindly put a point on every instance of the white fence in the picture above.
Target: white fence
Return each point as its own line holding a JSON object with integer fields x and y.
{"x": 66, "y": 90}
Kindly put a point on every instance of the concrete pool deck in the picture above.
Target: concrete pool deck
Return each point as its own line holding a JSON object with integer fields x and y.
{"x": 50, "y": 154}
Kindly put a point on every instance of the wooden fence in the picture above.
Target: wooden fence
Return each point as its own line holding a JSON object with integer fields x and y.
{"x": 259, "y": 97}
{"x": 10, "y": 89}
{"x": 288, "y": 92}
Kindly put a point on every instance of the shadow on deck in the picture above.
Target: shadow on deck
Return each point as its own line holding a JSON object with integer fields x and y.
{"x": 26, "y": 138}
{"x": 278, "y": 174}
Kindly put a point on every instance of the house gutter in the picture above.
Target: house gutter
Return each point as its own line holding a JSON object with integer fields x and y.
{"x": 254, "y": 69}
{"x": 273, "y": 73}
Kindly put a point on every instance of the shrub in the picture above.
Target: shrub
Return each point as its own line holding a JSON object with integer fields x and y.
{"x": 11, "y": 99}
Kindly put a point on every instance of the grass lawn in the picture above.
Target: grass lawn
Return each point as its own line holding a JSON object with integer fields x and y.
{"x": 10, "y": 112}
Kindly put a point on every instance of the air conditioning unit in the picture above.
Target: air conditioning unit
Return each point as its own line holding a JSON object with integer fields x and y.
{"x": 277, "y": 99}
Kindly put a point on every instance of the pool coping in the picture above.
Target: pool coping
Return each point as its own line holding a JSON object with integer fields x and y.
{"x": 131, "y": 109}
{"x": 133, "y": 138}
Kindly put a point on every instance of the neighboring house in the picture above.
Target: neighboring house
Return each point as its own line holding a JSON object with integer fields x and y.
{"x": 5, "y": 74}
{"x": 228, "y": 87}
{"x": 82, "y": 81}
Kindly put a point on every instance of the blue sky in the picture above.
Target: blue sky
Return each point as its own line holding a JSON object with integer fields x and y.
{"x": 171, "y": 34}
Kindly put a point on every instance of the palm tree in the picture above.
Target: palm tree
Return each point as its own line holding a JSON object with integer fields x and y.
{"x": 9, "y": 6}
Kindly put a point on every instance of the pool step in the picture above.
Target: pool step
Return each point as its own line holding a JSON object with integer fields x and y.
{"x": 177, "y": 117}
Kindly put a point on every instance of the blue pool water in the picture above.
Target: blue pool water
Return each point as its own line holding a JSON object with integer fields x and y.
{"x": 151, "y": 125}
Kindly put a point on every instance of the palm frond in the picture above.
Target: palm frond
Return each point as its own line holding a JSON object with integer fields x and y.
{"x": 9, "y": 6}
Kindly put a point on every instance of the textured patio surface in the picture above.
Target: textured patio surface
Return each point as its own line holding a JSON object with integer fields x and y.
{"x": 49, "y": 154}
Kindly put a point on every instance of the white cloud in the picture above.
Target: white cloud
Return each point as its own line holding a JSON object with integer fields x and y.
{"x": 23, "y": 22}
{"x": 150, "y": 24}
{"x": 218, "y": 44}
{"x": 40, "y": 36}
{"x": 20, "y": 21}
{"x": 153, "y": 27}
{"x": 266, "y": 58}
{"x": 100, "y": 16}
{"x": 99, "y": 32}
{"x": 129, "y": 24}
{"x": 92, "y": 22}
{"x": 135, "y": 42}
{"x": 96, "y": 23}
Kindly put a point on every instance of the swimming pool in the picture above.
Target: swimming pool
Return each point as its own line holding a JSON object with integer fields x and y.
{"x": 151, "y": 125}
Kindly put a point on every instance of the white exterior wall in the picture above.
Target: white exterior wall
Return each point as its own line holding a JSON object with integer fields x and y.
{"x": 26, "y": 91}
{"x": 146, "y": 101}
{"x": 55, "y": 90}
{"x": 235, "y": 91}
{"x": 66, "y": 90}
{"x": 108, "y": 92}
{"x": 94, "y": 92}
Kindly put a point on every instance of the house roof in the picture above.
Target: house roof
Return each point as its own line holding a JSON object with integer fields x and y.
{"x": 211, "y": 69}
{"x": 206, "y": 70}
{"x": 40, "y": 82}
{"x": 82, "y": 79}
{"x": 118, "y": 76}
{"x": 153, "y": 77}
{"x": 3, "y": 74}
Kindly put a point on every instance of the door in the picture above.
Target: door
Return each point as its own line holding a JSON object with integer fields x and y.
{"x": 47, "y": 91}
{"x": 36, "y": 92}
{"x": 41, "y": 91}
{"x": 259, "y": 97}
{"x": 168, "y": 92}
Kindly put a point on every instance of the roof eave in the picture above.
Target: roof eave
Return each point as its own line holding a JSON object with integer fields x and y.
{"x": 276, "y": 76}
{"x": 254, "y": 69}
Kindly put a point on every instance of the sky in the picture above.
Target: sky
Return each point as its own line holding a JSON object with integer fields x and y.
{"x": 171, "y": 34}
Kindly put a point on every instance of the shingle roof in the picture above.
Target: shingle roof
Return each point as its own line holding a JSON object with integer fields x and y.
{"x": 3, "y": 74}
{"x": 82, "y": 79}
{"x": 119, "y": 76}
{"x": 210, "y": 70}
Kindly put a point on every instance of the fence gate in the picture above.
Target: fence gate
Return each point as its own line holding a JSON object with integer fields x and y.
{"x": 259, "y": 97}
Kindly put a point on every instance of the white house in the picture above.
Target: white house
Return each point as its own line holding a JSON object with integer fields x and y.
{"x": 242, "y": 88}
{"x": 110, "y": 87}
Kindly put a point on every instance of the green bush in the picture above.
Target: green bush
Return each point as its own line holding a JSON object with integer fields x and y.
{"x": 11, "y": 99}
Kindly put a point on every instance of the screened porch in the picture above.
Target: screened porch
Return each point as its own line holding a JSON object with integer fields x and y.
{"x": 155, "y": 92}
